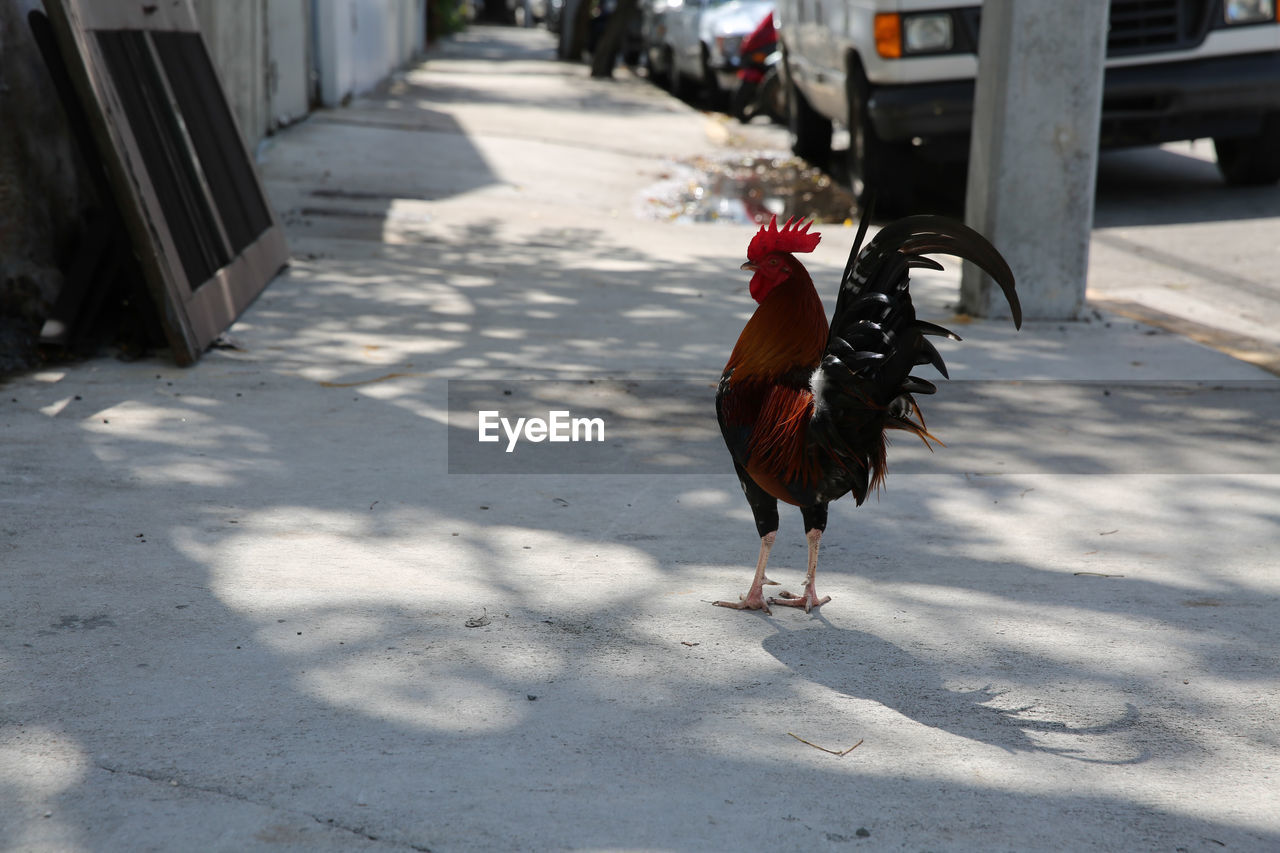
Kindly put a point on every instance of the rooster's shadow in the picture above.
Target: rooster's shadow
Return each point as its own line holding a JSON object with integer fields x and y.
{"x": 863, "y": 666}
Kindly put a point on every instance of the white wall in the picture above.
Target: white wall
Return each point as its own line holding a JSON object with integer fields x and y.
{"x": 359, "y": 42}
{"x": 289, "y": 64}
{"x": 262, "y": 50}
{"x": 234, "y": 31}
{"x": 276, "y": 58}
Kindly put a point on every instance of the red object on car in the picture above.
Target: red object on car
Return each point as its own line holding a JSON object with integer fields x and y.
{"x": 755, "y": 49}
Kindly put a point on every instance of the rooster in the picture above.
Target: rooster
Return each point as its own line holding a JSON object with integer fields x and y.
{"x": 804, "y": 406}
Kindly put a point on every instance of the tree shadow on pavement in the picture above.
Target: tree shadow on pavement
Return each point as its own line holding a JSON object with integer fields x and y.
{"x": 867, "y": 667}
{"x": 248, "y": 599}
{"x": 290, "y": 498}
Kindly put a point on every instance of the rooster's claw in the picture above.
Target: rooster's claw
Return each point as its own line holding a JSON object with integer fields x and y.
{"x": 808, "y": 601}
{"x": 747, "y": 602}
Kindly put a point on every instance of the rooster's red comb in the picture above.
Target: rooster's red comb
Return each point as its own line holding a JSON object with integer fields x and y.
{"x": 791, "y": 237}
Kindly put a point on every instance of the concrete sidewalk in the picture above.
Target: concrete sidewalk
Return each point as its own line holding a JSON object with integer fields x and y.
{"x": 244, "y": 606}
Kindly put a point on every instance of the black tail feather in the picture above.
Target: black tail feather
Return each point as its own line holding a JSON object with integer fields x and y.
{"x": 929, "y": 355}
{"x": 840, "y": 347}
{"x": 927, "y": 328}
{"x": 910, "y": 239}
{"x": 867, "y": 210}
{"x": 916, "y": 385}
{"x": 926, "y": 263}
{"x": 875, "y": 341}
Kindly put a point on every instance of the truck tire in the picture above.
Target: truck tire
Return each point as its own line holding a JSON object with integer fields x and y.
{"x": 660, "y": 66}
{"x": 810, "y": 131}
{"x": 710, "y": 83}
{"x": 876, "y": 167}
{"x": 742, "y": 101}
{"x": 1251, "y": 160}
{"x": 682, "y": 86}
{"x": 772, "y": 98}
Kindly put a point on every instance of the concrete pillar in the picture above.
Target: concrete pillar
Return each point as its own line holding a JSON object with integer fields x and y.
{"x": 1033, "y": 161}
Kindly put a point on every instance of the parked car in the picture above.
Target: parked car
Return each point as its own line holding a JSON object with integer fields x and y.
{"x": 722, "y": 31}
{"x": 692, "y": 45}
{"x": 758, "y": 89}
{"x": 899, "y": 74}
{"x": 653, "y": 35}
{"x": 673, "y": 49}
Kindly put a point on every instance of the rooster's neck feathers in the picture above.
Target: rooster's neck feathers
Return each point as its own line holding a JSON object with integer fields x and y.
{"x": 787, "y": 333}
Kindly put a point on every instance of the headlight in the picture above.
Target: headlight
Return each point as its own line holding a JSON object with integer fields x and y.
{"x": 907, "y": 35}
{"x": 1248, "y": 11}
{"x": 728, "y": 47}
{"x": 929, "y": 33}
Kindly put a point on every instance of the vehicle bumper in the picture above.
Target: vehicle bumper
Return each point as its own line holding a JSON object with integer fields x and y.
{"x": 727, "y": 80}
{"x": 727, "y": 74}
{"x": 1141, "y": 105}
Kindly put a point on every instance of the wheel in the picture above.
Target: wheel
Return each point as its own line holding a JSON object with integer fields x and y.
{"x": 683, "y": 86}
{"x": 1251, "y": 160}
{"x": 660, "y": 67}
{"x": 742, "y": 101}
{"x": 876, "y": 167}
{"x": 810, "y": 131}
{"x": 651, "y": 63}
{"x": 710, "y": 83}
{"x": 772, "y": 98}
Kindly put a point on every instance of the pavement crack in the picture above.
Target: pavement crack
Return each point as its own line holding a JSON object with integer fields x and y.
{"x": 173, "y": 782}
{"x": 362, "y": 832}
{"x": 170, "y": 781}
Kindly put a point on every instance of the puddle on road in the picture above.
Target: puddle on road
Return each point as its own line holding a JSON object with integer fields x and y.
{"x": 746, "y": 190}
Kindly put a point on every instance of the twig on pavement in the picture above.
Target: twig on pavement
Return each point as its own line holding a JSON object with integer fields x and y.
{"x": 824, "y": 749}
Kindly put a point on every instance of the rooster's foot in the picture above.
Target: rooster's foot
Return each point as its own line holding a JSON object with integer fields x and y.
{"x": 753, "y": 600}
{"x": 808, "y": 601}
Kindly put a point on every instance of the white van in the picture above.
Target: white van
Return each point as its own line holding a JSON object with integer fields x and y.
{"x": 899, "y": 74}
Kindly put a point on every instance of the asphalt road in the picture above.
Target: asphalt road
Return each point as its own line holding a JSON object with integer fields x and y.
{"x": 1176, "y": 247}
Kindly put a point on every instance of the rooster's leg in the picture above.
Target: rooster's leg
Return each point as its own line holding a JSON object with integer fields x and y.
{"x": 754, "y": 599}
{"x": 810, "y": 598}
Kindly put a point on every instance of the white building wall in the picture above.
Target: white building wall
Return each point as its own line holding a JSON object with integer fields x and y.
{"x": 278, "y": 58}
{"x": 234, "y": 32}
{"x": 289, "y": 64}
{"x": 359, "y": 42}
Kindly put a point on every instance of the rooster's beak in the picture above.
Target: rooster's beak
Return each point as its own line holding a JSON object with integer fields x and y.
{"x": 749, "y": 266}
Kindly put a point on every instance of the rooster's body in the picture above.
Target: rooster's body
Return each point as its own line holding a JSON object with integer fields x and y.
{"x": 804, "y": 406}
